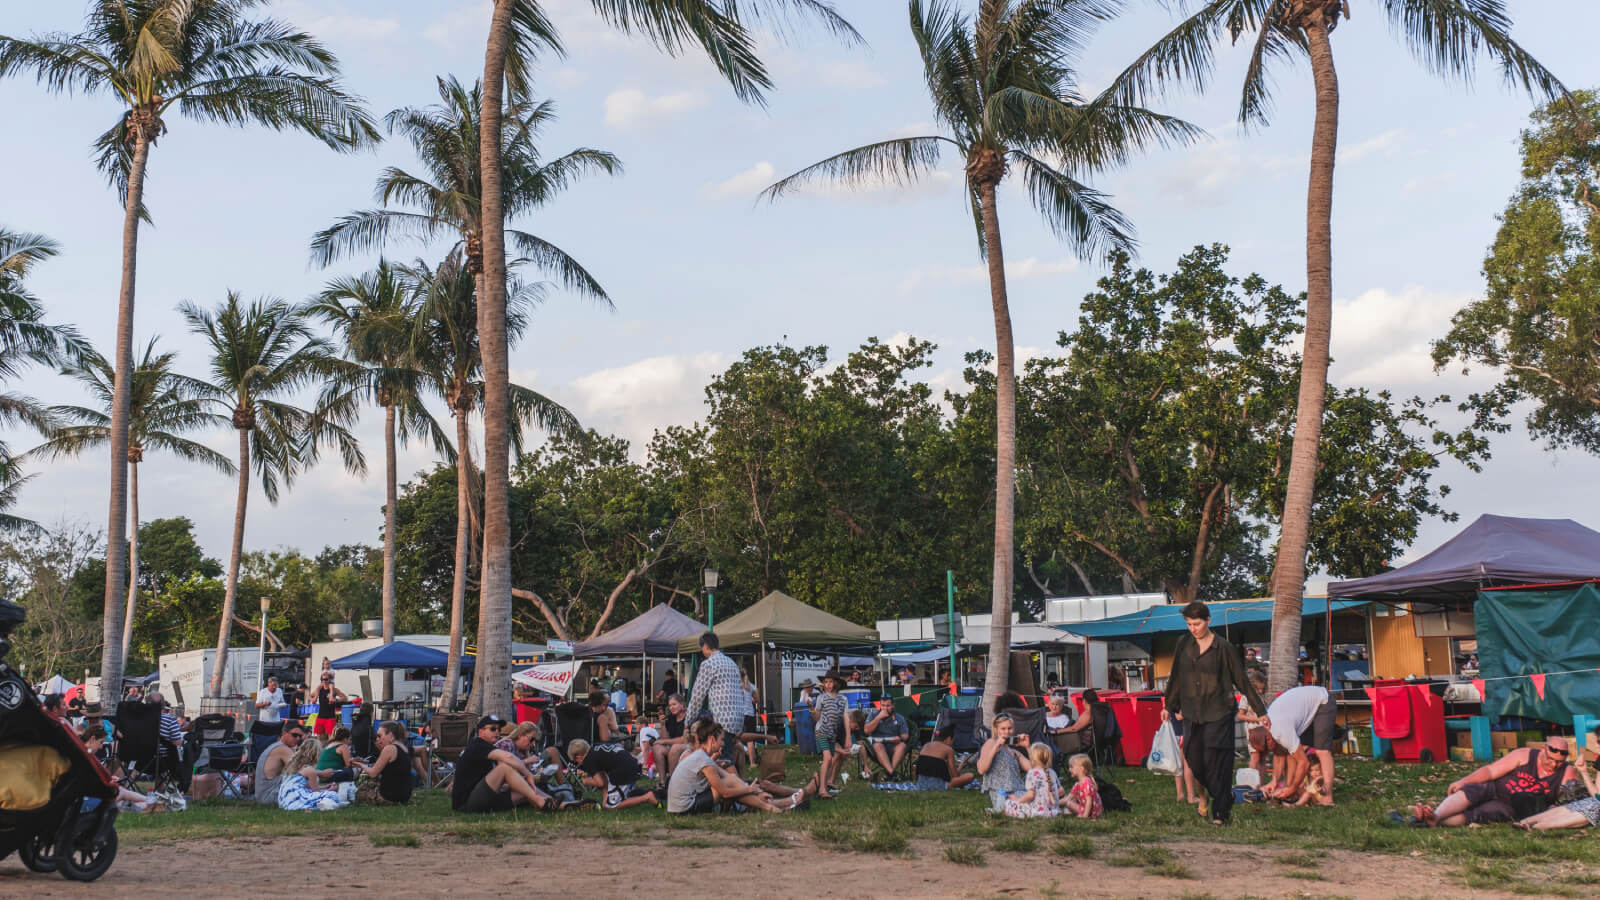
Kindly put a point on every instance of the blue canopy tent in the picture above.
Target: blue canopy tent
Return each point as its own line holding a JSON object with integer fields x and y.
{"x": 399, "y": 655}
{"x": 1168, "y": 619}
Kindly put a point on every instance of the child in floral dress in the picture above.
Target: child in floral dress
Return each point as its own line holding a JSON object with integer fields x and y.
{"x": 1038, "y": 799}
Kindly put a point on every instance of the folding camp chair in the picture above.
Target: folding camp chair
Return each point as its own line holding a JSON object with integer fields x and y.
{"x": 572, "y": 721}
{"x": 452, "y": 732}
{"x": 140, "y": 747}
{"x": 968, "y": 736}
{"x": 219, "y": 750}
{"x": 1106, "y": 746}
{"x": 262, "y": 736}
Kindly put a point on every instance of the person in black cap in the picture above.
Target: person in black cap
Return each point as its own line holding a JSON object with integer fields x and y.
{"x": 491, "y": 780}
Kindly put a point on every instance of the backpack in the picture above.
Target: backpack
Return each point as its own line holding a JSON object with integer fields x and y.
{"x": 1111, "y": 796}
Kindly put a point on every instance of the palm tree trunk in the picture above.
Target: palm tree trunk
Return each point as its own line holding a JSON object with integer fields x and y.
{"x": 1289, "y": 585}
{"x": 390, "y": 498}
{"x": 133, "y": 560}
{"x": 996, "y": 675}
{"x": 494, "y": 601}
{"x": 458, "y": 589}
{"x": 111, "y": 659}
{"x": 223, "y": 631}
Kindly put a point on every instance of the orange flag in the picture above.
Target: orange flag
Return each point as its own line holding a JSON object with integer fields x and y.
{"x": 953, "y": 689}
{"x": 1483, "y": 692}
{"x": 789, "y": 714}
{"x": 763, "y": 718}
{"x": 1538, "y": 683}
{"x": 916, "y": 698}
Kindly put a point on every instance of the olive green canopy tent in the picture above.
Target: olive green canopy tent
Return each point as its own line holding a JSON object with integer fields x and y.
{"x": 781, "y": 620}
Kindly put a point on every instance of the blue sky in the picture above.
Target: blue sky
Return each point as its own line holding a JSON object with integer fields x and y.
{"x": 700, "y": 272}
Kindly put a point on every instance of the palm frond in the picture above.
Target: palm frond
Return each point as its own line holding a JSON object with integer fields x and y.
{"x": 552, "y": 260}
{"x": 675, "y": 24}
{"x": 1078, "y": 214}
{"x": 1447, "y": 35}
{"x": 900, "y": 161}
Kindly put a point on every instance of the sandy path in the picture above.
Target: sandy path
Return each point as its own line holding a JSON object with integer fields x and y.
{"x": 340, "y": 866}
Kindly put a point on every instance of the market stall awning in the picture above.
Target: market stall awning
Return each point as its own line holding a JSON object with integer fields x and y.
{"x": 1492, "y": 551}
{"x": 781, "y": 619}
{"x": 399, "y": 655}
{"x": 1169, "y": 619}
{"x": 655, "y": 633}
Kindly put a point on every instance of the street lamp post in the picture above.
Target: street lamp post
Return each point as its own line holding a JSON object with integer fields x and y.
{"x": 711, "y": 577}
{"x": 261, "y": 651}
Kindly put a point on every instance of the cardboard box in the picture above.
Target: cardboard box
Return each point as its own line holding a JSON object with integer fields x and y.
{"x": 1462, "y": 739}
{"x": 1503, "y": 740}
{"x": 1461, "y": 754}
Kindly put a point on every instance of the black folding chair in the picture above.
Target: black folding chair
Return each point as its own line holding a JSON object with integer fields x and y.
{"x": 219, "y": 750}
{"x": 262, "y": 736}
{"x": 572, "y": 721}
{"x": 140, "y": 749}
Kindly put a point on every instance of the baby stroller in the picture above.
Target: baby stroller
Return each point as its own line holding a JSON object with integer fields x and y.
{"x": 46, "y": 776}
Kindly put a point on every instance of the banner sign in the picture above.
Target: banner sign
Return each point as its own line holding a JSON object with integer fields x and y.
{"x": 555, "y": 678}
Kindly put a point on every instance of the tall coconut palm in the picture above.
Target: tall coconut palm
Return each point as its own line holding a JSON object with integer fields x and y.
{"x": 374, "y": 316}
{"x": 210, "y": 61}
{"x": 25, "y": 340}
{"x": 518, "y": 32}
{"x": 261, "y": 353}
{"x": 1446, "y": 36}
{"x": 163, "y": 405}
{"x": 447, "y": 352}
{"x": 1002, "y": 85}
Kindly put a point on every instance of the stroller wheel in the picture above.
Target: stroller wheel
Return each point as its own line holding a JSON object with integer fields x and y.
{"x": 38, "y": 854}
{"x": 89, "y": 861}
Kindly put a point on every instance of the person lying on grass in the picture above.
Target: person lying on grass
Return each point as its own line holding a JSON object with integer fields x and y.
{"x": 612, "y": 770}
{"x": 698, "y": 784}
{"x": 1578, "y": 813}
{"x": 1516, "y": 786}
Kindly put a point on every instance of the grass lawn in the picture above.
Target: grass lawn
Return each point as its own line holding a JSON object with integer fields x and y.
{"x": 868, "y": 821}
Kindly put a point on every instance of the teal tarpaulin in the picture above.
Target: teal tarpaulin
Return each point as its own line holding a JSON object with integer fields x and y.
{"x": 1546, "y": 631}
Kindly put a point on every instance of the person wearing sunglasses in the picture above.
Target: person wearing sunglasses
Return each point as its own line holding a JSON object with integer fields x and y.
{"x": 1520, "y": 784}
{"x": 1579, "y": 813}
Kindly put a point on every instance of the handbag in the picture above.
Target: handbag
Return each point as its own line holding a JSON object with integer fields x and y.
{"x": 1165, "y": 758}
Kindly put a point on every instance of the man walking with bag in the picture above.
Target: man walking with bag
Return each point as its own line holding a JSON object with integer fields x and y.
{"x": 1206, "y": 671}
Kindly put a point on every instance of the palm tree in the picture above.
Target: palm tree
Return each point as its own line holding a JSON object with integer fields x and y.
{"x": 445, "y": 201}
{"x": 210, "y": 62}
{"x": 261, "y": 353}
{"x": 1446, "y": 36}
{"x": 375, "y": 318}
{"x": 1002, "y": 86}
{"x": 164, "y": 404}
{"x": 518, "y": 31}
{"x": 24, "y": 340}
{"x": 447, "y": 352}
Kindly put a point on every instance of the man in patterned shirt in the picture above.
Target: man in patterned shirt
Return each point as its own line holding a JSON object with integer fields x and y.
{"x": 717, "y": 688}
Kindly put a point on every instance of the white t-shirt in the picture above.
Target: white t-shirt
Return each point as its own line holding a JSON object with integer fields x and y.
{"x": 1061, "y": 721}
{"x": 1293, "y": 711}
{"x": 274, "y": 699}
{"x": 688, "y": 781}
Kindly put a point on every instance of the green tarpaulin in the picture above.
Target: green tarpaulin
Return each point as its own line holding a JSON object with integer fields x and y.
{"x": 1550, "y": 631}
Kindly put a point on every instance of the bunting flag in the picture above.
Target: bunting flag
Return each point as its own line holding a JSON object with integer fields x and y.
{"x": 789, "y": 714}
{"x": 953, "y": 689}
{"x": 916, "y": 698}
{"x": 1538, "y": 683}
{"x": 1482, "y": 691}
{"x": 763, "y": 718}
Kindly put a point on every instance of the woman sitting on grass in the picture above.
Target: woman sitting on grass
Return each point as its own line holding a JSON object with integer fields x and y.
{"x": 1578, "y": 813}
{"x": 698, "y": 784}
{"x": 935, "y": 767}
{"x": 1001, "y": 762}
{"x": 388, "y": 779}
{"x": 301, "y": 787}
{"x": 1038, "y": 799}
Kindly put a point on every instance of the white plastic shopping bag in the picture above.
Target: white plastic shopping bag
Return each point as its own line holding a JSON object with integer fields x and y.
{"x": 1164, "y": 756}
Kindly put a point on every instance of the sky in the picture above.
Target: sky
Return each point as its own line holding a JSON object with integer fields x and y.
{"x": 699, "y": 271}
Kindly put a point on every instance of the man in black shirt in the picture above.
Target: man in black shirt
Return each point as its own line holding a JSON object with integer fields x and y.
{"x": 669, "y": 685}
{"x": 492, "y": 780}
{"x": 611, "y": 769}
{"x": 1206, "y": 670}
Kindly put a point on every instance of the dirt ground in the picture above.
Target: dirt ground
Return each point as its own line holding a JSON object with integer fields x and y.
{"x": 338, "y": 866}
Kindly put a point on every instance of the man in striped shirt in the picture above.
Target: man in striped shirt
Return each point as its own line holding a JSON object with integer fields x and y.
{"x": 169, "y": 739}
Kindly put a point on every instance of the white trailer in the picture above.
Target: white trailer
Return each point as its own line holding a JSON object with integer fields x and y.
{"x": 349, "y": 680}
{"x": 191, "y": 670}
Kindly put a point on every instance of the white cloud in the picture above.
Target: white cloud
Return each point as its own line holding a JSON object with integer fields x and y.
{"x": 1016, "y": 270}
{"x": 1207, "y": 174}
{"x": 746, "y": 184}
{"x": 850, "y": 75}
{"x": 632, "y": 108}
{"x": 635, "y": 400}
{"x": 1385, "y": 144}
{"x": 1382, "y": 338}
{"x": 329, "y": 23}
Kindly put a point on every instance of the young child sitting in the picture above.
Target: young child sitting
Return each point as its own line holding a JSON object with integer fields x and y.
{"x": 1038, "y": 799}
{"x": 1083, "y": 800}
{"x": 1311, "y": 791}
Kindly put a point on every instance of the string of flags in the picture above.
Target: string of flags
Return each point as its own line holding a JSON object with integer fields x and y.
{"x": 1536, "y": 677}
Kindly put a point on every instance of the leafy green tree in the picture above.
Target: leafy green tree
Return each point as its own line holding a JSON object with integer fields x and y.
{"x": 163, "y": 405}
{"x": 1004, "y": 88}
{"x": 207, "y": 60}
{"x": 374, "y": 316}
{"x": 262, "y": 353}
{"x": 1538, "y": 322}
{"x": 1446, "y": 36}
{"x": 50, "y": 573}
